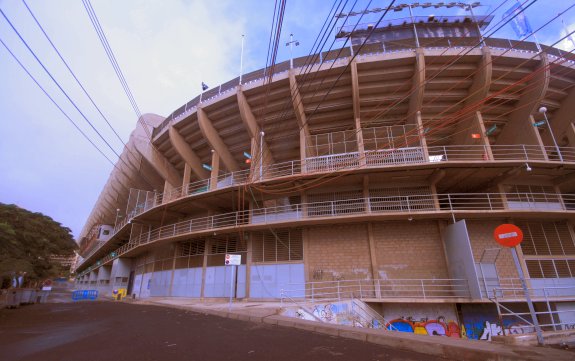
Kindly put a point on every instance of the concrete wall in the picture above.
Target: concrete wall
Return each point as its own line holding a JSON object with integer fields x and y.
{"x": 338, "y": 252}
{"x": 481, "y": 237}
{"x": 409, "y": 250}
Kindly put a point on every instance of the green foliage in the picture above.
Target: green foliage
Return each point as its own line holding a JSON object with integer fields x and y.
{"x": 27, "y": 240}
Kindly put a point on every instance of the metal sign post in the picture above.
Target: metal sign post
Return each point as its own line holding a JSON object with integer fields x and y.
{"x": 231, "y": 288}
{"x": 233, "y": 260}
{"x": 540, "y": 340}
{"x": 510, "y": 236}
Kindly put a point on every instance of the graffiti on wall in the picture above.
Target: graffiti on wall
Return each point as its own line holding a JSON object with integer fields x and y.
{"x": 440, "y": 327}
{"x": 434, "y": 327}
{"x": 341, "y": 313}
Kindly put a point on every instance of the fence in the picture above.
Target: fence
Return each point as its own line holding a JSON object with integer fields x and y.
{"x": 80, "y": 295}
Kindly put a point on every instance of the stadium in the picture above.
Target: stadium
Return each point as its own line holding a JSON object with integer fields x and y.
{"x": 374, "y": 174}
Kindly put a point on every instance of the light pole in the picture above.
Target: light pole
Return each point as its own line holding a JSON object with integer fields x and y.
{"x": 413, "y": 22}
{"x": 261, "y": 153}
{"x": 470, "y": 8}
{"x": 291, "y": 43}
{"x": 242, "y": 60}
{"x": 117, "y": 216}
{"x": 543, "y": 111}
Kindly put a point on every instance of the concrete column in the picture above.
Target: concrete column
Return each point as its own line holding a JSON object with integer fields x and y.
{"x": 249, "y": 264}
{"x": 215, "y": 171}
{"x": 373, "y": 258}
{"x": 173, "y": 268}
{"x": 186, "y": 179}
{"x": 357, "y": 114}
{"x": 204, "y": 266}
{"x": 423, "y": 140}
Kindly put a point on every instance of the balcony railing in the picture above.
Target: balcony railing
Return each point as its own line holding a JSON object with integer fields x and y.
{"x": 337, "y": 162}
{"x": 410, "y": 204}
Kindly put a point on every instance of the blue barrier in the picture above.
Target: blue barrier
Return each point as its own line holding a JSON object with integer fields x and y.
{"x": 80, "y": 295}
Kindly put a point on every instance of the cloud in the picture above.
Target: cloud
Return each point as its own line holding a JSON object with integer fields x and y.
{"x": 567, "y": 44}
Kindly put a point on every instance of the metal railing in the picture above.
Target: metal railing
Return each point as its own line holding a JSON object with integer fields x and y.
{"x": 336, "y": 162}
{"x": 380, "y": 289}
{"x": 549, "y": 320}
{"x": 410, "y": 204}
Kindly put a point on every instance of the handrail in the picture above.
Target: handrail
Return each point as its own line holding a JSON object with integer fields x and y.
{"x": 382, "y": 289}
{"x": 411, "y": 204}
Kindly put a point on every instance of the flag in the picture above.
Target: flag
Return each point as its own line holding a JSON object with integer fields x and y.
{"x": 204, "y": 86}
{"x": 519, "y": 23}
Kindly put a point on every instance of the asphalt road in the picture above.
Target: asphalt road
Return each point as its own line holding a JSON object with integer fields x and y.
{"x": 91, "y": 331}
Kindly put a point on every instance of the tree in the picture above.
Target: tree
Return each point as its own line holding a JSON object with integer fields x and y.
{"x": 27, "y": 240}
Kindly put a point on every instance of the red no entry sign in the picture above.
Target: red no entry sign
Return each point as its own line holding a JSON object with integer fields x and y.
{"x": 508, "y": 235}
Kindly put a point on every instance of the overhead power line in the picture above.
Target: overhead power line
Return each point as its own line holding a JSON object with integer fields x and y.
{"x": 109, "y": 52}
{"x": 56, "y": 104}
{"x": 58, "y": 84}
{"x": 72, "y": 72}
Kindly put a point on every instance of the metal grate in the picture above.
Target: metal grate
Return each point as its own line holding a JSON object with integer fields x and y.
{"x": 547, "y": 238}
{"x": 279, "y": 246}
{"x": 191, "y": 248}
{"x": 551, "y": 268}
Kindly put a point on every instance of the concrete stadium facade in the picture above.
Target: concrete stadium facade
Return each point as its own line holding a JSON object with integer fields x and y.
{"x": 379, "y": 177}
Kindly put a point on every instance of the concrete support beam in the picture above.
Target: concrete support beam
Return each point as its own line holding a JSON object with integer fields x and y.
{"x": 418, "y": 86}
{"x": 215, "y": 170}
{"x": 529, "y": 102}
{"x": 482, "y": 80}
{"x": 436, "y": 176}
{"x": 357, "y": 113}
{"x": 252, "y": 127}
{"x": 160, "y": 164}
{"x": 215, "y": 141}
{"x": 187, "y": 154}
{"x": 477, "y": 92}
{"x": 422, "y": 139}
{"x": 570, "y": 134}
{"x": 300, "y": 116}
{"x": 473, "y": 124}
{"x": 561, "y": 121}
{"x": 186, "y": 178}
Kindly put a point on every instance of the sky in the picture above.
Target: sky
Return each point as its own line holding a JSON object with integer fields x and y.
{"x": 166, "y": 49}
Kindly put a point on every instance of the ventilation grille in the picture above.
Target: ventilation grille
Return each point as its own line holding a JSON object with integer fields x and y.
{"x": 546, "y": 239}
{"x": 551, "y": 268}
{"x": 191, "y": 248}
{"x": 230, "y": 244}
{"x": 279, "y": 246}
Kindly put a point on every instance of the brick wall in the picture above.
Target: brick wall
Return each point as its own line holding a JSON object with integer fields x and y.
{"x": 409, "y": 250}
{"x": 481, "y": 237}
{"x": 338, "y": 252}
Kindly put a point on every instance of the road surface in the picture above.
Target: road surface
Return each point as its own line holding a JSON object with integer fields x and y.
{"x": 91, "y": 331}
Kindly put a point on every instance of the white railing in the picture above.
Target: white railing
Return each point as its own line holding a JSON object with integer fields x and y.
{"x": 548, "y": 319}
{"x": 538, "y": 293}
{"x": 384, "y": 157}
{"x": 322, "y": 291}
{"x": 411, "y": 204}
